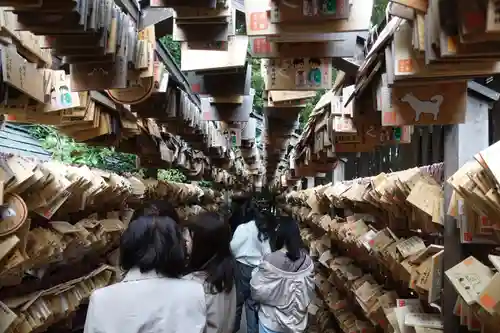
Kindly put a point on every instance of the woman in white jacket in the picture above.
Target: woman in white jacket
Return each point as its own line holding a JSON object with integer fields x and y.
{"x": 152, "y": 297}
{"x": 283, "y": 284}
{"x": 250, "y": 243}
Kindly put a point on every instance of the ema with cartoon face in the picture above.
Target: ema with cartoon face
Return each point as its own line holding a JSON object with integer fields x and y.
{"x": 314, "y": 72}
{"x": 300, "y": 73}
{"x": 61, "y": 97}
{"x": 65, "y": 96}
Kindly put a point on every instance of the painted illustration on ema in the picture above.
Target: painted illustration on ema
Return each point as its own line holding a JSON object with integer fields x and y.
{"x": 432, "y": 106}
{"x": 312, "y": 78}
{"x": 61, "y": 97}
{"x": 314, "y": 72}
{"x": 300, "y": 73}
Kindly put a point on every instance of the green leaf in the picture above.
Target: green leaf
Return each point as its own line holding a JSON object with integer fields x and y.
{"x": 173, "y": 47}
{"x": 172, "y": 175}
{"x": 66, "y": 150}
{"x": 378, "y": 14}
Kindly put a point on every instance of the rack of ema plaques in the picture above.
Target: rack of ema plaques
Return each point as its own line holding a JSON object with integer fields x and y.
{"x": 53, "y": 219}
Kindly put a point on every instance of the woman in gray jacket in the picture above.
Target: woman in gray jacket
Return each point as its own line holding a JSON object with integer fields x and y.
{"x": 211, "y": 263}
{"x": 283, "y": 283}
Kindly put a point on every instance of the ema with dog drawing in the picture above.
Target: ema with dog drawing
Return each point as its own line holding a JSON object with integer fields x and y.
{"x": 432, "y": 106}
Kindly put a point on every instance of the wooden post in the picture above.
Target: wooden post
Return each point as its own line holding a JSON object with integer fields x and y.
{"x": 458, "y": 149}
{"x": 364, "y": 164}
{"x": 424, "y": 148}
{"x": 437, "y": 144}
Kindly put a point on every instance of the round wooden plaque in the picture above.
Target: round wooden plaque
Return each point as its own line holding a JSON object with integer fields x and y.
{"x": 14, "y": 214}
{"x": 133, "y": 95}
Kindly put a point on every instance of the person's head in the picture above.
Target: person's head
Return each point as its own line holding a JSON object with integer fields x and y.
{"x": 211, "y": 251}
{"x": 157, "y": 208}
{"x": 288, "y": 237}
{"x": 298, "y": 63}
{"x": 266, "y": 224}
{"x": 243, "y": 211}
{"x": 264, "y": 221}
{"x": 153, "y": 243}
{"x": 314, "y": 63}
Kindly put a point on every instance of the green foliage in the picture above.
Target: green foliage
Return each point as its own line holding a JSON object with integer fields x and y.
{"x": 66, "y": 150}
{"x": 205, "y": 183}
{"x": 173, "y": 47}
{"x": 172, "y": 175}
{"x": 258, "y": 85}
{"x": 378, "y": 11}
{"x": 306, "y": 112}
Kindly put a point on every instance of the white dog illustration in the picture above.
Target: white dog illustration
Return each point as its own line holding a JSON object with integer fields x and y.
{"x": 431, "y": 106}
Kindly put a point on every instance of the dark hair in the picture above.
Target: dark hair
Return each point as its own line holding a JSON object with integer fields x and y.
{"x": 288, "y": 236}
{"x": 298, "y": 61}
{"x": 248, "y": 211}
{"x": 211, "y": 251}
{"x": 266, "y": 226}
{"x": 242, "y": 211}
{"x": 157, "y": 208}
{"x": 153, "y": 243}
{"x": 315, "y": 61}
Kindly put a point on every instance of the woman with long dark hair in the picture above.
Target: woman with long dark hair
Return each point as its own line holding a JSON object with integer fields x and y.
{"x": 283, "y": 284}
{"x": 212, "y": 264}
{"x": 153, "y": 296}
{"x": 251, "y": 242}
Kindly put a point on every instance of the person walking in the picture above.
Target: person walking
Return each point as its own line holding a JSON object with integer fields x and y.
{"x": 153, "y": 296}
{"x": 250, "y": 243}
{"x": 212, "y": 264}
{"x": 283, "y": 283}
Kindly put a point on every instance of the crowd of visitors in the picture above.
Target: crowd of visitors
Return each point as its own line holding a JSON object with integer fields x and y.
{"x": 199, "y": 275}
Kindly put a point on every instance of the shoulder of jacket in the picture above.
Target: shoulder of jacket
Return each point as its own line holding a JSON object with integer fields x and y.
{"x": 273, "y": 257}
{"x": 195, "y": 276}
{"x": 266, "y": 264}
{"x": 195, "y": 290}
{"x": 190, "y": 283}
{"x": 198, "y": 278}
{"x": 241, "y": 227}
{"x": 98, "y": 293}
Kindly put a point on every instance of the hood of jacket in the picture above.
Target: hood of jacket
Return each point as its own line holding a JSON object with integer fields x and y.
{"x": 283, "y": 295}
